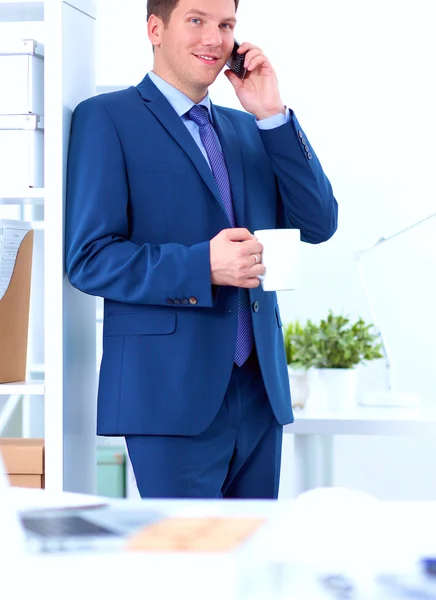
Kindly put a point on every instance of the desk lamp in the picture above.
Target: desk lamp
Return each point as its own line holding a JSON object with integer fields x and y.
{"x": 391, "y": 397}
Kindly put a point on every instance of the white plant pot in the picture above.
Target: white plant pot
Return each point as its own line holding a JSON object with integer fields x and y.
{"x": 338, "y": 388}
{"x": 299, "y": 385}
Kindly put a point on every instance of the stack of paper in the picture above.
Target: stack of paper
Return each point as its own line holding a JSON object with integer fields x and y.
{"x": 11, "y": 235}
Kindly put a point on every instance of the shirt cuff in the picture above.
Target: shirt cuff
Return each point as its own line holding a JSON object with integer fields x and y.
{"x": 274, "y": 121}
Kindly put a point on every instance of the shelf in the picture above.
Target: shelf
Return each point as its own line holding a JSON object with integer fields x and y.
{"x": 26, "y": 196}
{"x": 22, "y": 47}
{"x": 11, "y": 12}
{"x": 34, "y": 387}
{"x": 22, "y": 122}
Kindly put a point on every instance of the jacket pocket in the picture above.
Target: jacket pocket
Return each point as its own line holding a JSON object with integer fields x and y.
{"x": 279, "y": 320}
{"x": 140, "y": 323}
{"x": 159, "y": 166}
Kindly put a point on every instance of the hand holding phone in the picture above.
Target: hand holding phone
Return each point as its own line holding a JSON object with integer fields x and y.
{"x": 262, "y": 96}
{"x": 236, "y": 62}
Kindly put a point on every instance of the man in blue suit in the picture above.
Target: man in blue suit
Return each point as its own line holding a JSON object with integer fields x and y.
{"x": 164, "y": 190}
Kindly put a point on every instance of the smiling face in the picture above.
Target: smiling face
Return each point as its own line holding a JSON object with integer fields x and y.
{"x": 194, "y": 46}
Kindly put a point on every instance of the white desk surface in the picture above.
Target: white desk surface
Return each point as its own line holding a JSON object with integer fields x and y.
{"x": 323, "y": 531}
{"x": 363, "y": 420}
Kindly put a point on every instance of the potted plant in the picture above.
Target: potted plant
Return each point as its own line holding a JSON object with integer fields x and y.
{"x": 334, "y": 348}
{"x": 298, "y": 374}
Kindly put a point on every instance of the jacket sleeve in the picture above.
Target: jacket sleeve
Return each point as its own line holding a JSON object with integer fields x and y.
{"x": 306, "y": 197}
{"x": 100, "y": 259}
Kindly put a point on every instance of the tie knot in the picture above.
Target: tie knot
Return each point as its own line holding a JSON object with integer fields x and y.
{"x": 199, "y": 114}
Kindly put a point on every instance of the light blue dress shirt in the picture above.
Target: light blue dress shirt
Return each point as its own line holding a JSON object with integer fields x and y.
{"x": 182, "y": 104}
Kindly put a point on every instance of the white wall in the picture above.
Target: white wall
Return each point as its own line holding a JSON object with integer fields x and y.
{"x": 359, "y": 76}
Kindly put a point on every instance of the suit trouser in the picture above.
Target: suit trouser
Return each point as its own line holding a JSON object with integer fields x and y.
{"x": 237, "y": 456}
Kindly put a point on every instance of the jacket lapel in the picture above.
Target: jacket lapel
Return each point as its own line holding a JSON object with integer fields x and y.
{"x": 170, "y": 120}
{"x": 233, "y": 157}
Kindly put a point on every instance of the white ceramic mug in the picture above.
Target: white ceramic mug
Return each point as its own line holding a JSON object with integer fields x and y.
{"x": 281, "y": 258}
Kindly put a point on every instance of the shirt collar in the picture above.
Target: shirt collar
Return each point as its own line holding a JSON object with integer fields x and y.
{"x": 181, "y": 103}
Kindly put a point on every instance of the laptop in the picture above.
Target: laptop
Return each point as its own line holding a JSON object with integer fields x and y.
{"x": 72, "y": 528}
{"x": 83, "y": 528}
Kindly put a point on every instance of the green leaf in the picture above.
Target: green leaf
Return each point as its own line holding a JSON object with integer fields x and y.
{"x": 334, "y": 342}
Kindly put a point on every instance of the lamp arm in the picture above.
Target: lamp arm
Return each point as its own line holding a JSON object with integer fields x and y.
{"x": 384, "y": 239}
{"x": 385, "y": 346}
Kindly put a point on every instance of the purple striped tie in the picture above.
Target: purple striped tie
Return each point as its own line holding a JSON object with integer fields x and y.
{"x": 200, "y": 115}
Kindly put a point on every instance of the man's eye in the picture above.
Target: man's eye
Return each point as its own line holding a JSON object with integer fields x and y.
{"x": 225, "y": 26}
{"x": 195, "y": 21}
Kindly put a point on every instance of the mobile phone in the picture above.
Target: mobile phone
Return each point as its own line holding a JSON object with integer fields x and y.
{"x": 236, "y": 62}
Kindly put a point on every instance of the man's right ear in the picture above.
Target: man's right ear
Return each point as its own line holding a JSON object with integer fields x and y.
{"x": 154, "y": 29}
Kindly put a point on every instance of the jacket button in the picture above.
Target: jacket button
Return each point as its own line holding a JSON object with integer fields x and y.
{"x": 185, "y": 301}
{"x": 170, "y": 301}
{"x": 300, "y": 134}
{"x": 256, "y": 306}
{"x": 309, "y": 155}
{"x": 177, "y": 301}
{"x": 193, "y": 300}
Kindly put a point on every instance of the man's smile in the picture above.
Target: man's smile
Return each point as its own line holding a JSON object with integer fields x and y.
{"x": 208, "y": 59}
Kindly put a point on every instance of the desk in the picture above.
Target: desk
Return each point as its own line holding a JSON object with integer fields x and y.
{"x": 244, "y": 574}
{"x": 329, "y": 531}
{"x": 314, "y": 432}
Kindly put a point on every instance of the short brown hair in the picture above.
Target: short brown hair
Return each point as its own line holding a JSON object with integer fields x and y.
{"x": 164, "y": 8}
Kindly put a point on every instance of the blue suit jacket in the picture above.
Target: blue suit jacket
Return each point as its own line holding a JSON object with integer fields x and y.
{"x": 142, "y": 207}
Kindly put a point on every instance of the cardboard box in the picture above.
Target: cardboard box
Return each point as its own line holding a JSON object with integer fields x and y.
{"x": 21, "y": 151}
{"x": 24, "y": 461}
{"x": 27, "y": 481}
{"x": 14, "y": 316}
{"x": 22, "y": 76}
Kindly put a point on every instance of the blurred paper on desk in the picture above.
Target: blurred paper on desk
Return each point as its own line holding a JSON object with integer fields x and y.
{"x": 191, "y": 534}
{"x": 332, "y": 530}
{"x": 414, "y": 584}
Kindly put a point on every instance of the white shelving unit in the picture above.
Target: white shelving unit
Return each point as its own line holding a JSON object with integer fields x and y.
{"x": 28, "y": 196}
{"x": 34, "y": 387}
{"x": 67, "y": 339}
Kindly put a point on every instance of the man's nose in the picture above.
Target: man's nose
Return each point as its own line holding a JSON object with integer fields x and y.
{"x": 212, "y": 37}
